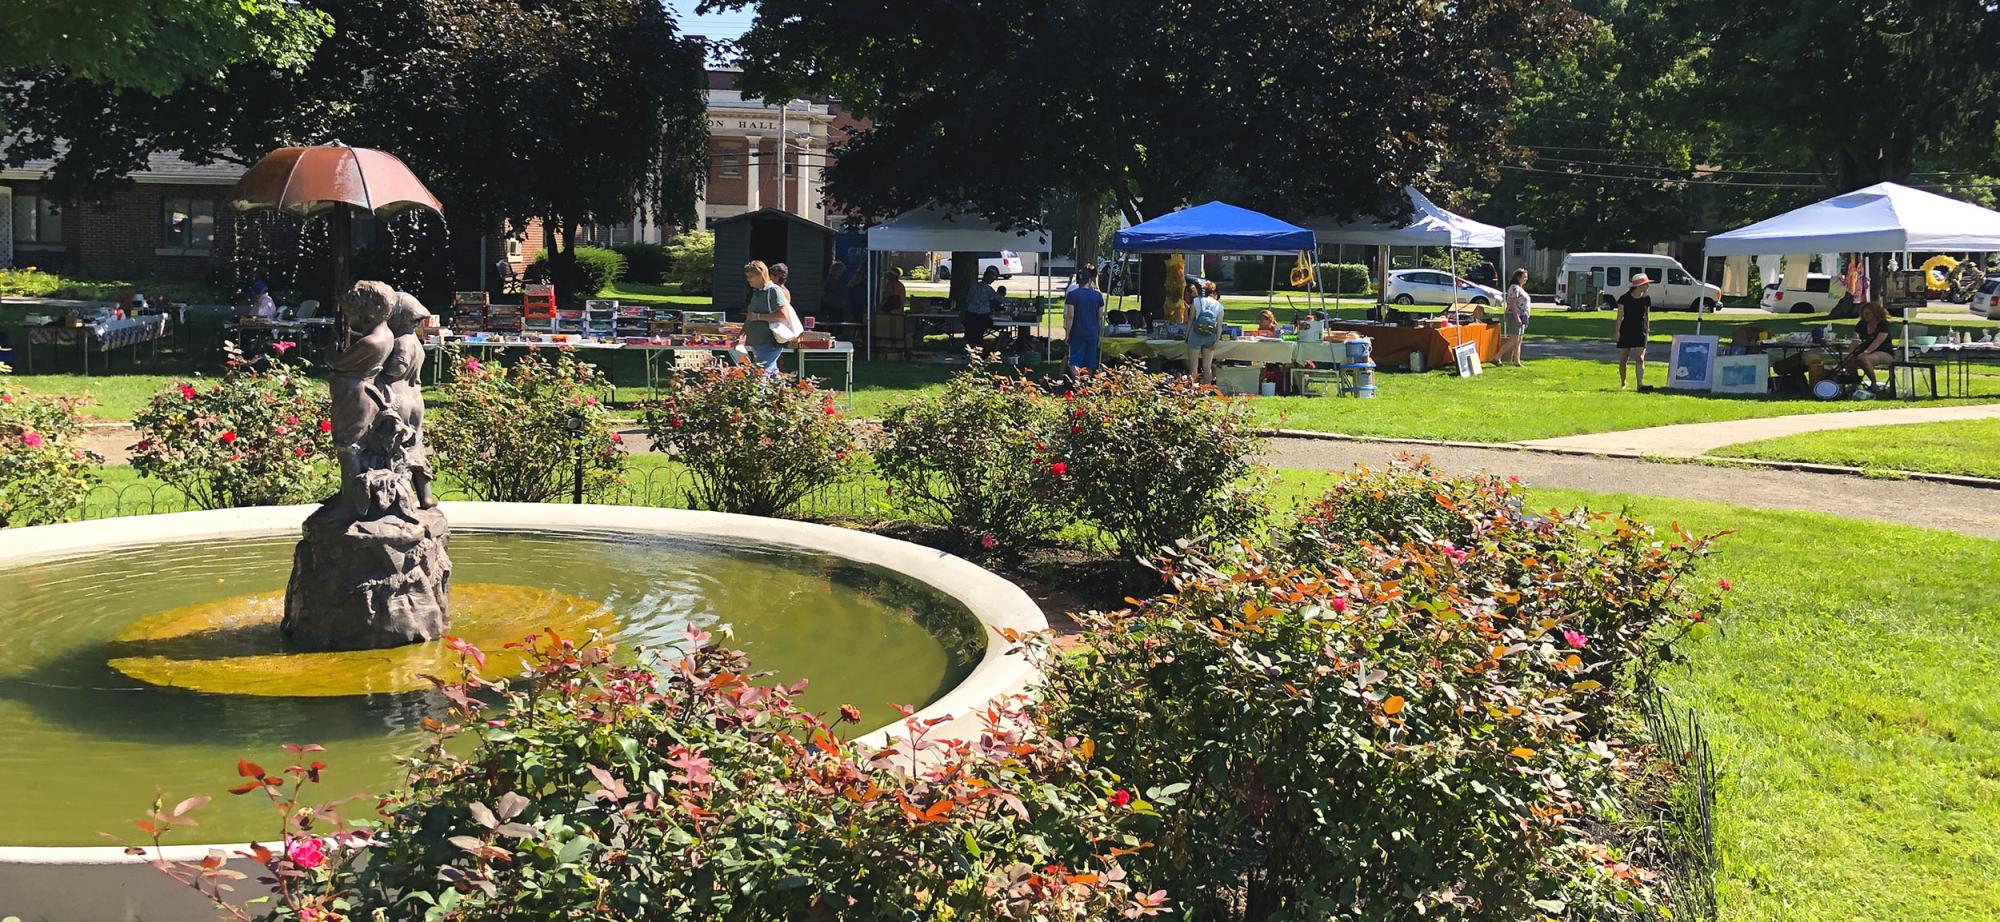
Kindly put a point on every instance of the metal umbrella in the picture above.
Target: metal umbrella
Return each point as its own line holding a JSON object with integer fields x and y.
{"x": 308, "y": 180}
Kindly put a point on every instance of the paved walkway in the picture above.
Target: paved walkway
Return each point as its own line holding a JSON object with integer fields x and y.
{"x": 1967, "y": 510}
{"x": 1692, "y": 440}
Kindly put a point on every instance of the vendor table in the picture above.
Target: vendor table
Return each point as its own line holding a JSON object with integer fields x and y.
{"x": 652, "y": 352}
{"x": 130, "y": 332}
{"x": 1960, "y": 358}
{"x": 1393, "y": 344}
{"x": 1253, "y": 351}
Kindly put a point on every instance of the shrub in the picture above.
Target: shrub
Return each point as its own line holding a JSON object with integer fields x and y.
{"x": 1252, "y": 276}
{"x": 1152, "y": 460}
{"x": 918, "y": 274}
{"x": 1606, "y": 584}
{"x": 597, "y": 268}
{"x": 258, "y": 436}
{"x": 29, "y": 282}
{"x": 1393, "y": 734}
{"x": 974, "y": 455}
{"x": 1340, "y": 278}
{"x": 44, "y": 471}
{"x": 601, "y": 791}
{"x": 504, "y": 434}
{"x": 645, "y": 262}
{"x": 693, "y": 256}
{"x": 752, "y": 445}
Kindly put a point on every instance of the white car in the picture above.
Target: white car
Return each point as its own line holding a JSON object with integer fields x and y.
{"x": 1006, "y": 261}
{"x": 1434, "y": 286}
{"x": 1817, "y": 297}
{"x": 1986, "y": 301}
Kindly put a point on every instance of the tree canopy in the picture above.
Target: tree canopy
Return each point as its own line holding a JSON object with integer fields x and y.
{"x": 155, "y": 46}
{"x": 581, "y": 111}
{"x": 1312, "y": 107}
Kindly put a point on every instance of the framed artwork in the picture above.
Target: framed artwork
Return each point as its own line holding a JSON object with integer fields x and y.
{"x": 1742, "y": 374}
{"x": 1691, "y": 363}
{"x": 1468, "y": 359}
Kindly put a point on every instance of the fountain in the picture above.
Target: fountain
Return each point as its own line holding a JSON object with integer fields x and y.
{"x": 372, "y": 571}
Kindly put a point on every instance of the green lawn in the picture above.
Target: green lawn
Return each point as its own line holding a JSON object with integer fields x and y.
{"x": 1849, "y": 698}
{"x": 1968, "y": 447}
{"x": 109, "y": 397}
{"x": 1549, "y": 397}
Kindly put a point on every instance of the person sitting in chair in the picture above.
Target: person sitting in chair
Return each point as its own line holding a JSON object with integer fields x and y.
{"x": 1871, "y": 341}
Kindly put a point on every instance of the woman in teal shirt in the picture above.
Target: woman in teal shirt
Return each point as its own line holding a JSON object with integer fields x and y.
{"x": 768, "y": 305}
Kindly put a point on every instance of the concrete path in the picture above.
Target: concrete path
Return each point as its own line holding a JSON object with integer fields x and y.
{"x": 1966, "y": 510}
{"x": 1692, "y": 440}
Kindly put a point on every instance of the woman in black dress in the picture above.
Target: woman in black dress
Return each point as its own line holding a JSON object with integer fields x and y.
{"x": 1635, "y": 322}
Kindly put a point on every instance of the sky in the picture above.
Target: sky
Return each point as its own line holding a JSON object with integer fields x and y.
{"x": 726, "y": 25}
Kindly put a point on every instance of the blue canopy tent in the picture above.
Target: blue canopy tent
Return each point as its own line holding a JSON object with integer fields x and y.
{"x": 1218, "y": 227}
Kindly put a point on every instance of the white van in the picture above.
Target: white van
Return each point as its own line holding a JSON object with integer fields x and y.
{"x": 1673, "y": 287}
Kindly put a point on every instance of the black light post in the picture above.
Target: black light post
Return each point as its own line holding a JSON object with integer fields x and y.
{"x": 575, "y": 426}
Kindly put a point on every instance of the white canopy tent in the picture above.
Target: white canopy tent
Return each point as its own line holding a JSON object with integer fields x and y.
{"x": 1429, "y": 225}
{"x": 934, "y": 228}
{"x": 1882, "y": 218}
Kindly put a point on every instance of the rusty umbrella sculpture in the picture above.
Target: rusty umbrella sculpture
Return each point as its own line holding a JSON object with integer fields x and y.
{"x": 308, "y": 180}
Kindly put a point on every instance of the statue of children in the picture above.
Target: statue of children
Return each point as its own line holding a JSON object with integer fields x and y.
{"x": 401, "y": 379}
{"x": 357, "y": 396}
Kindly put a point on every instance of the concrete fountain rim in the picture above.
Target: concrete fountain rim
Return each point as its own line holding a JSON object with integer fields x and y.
{"x": 998, "y": 604}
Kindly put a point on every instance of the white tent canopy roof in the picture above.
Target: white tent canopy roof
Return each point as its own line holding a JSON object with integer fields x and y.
{"x": 1430, "y": 225}
{"x": 1882, "y": 218}
{"x": 933, "y": 228}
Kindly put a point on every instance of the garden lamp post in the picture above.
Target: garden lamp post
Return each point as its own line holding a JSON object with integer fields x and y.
{"x": 575, "y": 426}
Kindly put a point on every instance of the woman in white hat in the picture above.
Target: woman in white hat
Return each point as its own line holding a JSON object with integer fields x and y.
{"x": 1635, "y": 322}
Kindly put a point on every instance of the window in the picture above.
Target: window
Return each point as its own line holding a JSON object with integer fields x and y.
{"x": 1520, "y": 247}
{"x": 37, "y": 220}
{"x": 513, "y": 247}
{"x": 1614, "y": 276}
{"x": 1678, "y": 276}
{"x": 730, "y": 161}
{"x": 1818, "y": 284}
{"x": 1655, "y": 275}
{"x": 187, "y": 226}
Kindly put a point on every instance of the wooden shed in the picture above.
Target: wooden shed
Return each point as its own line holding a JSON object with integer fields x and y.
{"x": 773, "y": 236}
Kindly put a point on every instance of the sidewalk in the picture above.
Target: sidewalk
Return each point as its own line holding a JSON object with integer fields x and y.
{"x": 1692, "y": 440}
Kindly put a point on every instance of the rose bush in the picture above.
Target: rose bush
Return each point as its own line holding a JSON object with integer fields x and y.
{"x": 504, "y": 434}
{"x": 44, "y": 471}
{"x": 1152, "y": 460}
{"x": 594, "y": 790}
{"x": 975, "y": 456}
{"x": 258, "y": 436}
{"x": 1371, "y": 726}
{"x": 750, "y": 444}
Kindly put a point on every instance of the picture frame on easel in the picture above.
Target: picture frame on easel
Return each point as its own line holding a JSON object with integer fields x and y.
{"x": 1467, "y": 355}
{"x": 1691, "y": 362}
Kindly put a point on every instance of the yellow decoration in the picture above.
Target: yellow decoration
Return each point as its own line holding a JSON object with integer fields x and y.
{"x": 232, "y": 646}
{"x": 1175, "y": 306}
{"x": 1935, "y": 280}
{"x": 1302, "y": 271}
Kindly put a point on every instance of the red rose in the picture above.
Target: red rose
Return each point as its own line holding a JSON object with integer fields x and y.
{"x": 1338, "y": 605}
{"x": 1121, "y": 797}
{"x": 1059, "y": 469}
{"x": 229, "y": 437}
{"x": 326, "y": 425}
{"x": 187, "y": 392}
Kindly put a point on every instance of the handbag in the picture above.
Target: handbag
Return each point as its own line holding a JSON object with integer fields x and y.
{"x": 789, "y": 328}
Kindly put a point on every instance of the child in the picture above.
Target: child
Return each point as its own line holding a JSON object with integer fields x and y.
{"x": 357, "y": 397}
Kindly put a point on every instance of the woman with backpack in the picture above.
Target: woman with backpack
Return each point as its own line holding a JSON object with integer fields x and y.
{"x": 1204, "y": 330}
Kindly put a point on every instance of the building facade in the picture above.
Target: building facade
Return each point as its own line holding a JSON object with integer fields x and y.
{"x": 171, "y": 222}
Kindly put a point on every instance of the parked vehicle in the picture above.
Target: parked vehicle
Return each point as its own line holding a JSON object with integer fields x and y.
{"x": 1006, "y": 261}
{"x": 1435, "y": 286}
{"x": 1673, "y": 286}
{"x": 1817, "y": 297}
{"x": 1986, "y": 301}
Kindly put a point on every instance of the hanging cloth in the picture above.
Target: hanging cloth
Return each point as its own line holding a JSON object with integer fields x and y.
{"x": 1735, "y": 276}
{"x": 1796, "y": 268}
{"x": 1851, "y": 279}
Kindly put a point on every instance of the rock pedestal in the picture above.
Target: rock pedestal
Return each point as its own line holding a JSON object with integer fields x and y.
{"x": 360, "y": 585}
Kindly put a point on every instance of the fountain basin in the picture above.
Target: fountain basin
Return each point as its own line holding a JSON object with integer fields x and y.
{"x": 98, "y": 882}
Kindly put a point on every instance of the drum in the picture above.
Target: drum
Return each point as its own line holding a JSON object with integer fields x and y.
{"x": 1827, "y": 389}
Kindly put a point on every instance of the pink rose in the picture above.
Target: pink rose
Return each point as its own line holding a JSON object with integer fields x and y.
{"x": 307, "y": 853}
{"x": 988, "y": 542}
{"x": 472, "y": 365}
{"x": 1575, "y": 639}
{"x": 283, "y": 346}
{"x": 32, "y": 439}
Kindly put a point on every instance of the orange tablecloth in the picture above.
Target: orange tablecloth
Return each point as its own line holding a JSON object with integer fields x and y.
{"x": 1393, "y": 345}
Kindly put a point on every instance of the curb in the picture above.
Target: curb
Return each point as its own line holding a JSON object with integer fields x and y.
{"x": 1957, "y": 480}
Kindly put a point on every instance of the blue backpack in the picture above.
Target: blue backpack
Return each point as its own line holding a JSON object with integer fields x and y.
{"x": 1207, "y": 317}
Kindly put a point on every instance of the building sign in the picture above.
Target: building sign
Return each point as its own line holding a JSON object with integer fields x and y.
{"x": 738, "y": 123}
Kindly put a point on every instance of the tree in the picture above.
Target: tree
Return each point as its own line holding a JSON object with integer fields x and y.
{"x": 1318, "y": 107}
{"x": 579, "y": 112}
{"x": 1863, "y": 90}
{"x": 154, "y": 46}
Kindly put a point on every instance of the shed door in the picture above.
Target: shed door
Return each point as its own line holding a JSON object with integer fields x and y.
{"x": 770, "y": 240}
{"x": 6, "y": 227}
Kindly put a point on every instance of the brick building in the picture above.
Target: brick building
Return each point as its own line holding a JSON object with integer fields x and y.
{"x": 171, "y": 222}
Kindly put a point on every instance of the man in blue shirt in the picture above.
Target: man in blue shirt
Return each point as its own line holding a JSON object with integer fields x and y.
{"x": 1083, "y": 321}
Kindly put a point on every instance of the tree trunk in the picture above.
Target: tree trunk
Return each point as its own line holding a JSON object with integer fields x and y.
{"x": 964, "y": 275}
{"x": 1152, "y": 282}
{"x": 1089, "y": 227}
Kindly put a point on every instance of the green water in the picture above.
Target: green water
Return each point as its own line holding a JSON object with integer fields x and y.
{"x": 84, "y": 749}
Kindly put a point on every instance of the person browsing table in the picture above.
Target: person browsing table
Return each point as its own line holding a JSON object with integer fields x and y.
{"x": 1634, "y": 312}
{"x": 1204, "y": 330}
{"x": 768, "y": 305}
{"x": 1083, "y": 322}
{"x": 979, "y": 305}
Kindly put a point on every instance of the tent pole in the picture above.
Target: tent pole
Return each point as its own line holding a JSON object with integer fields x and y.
{"x": 1701, "y": 295}
{"x": 1268, "y": 293}
{"x": 868, "y": 309}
